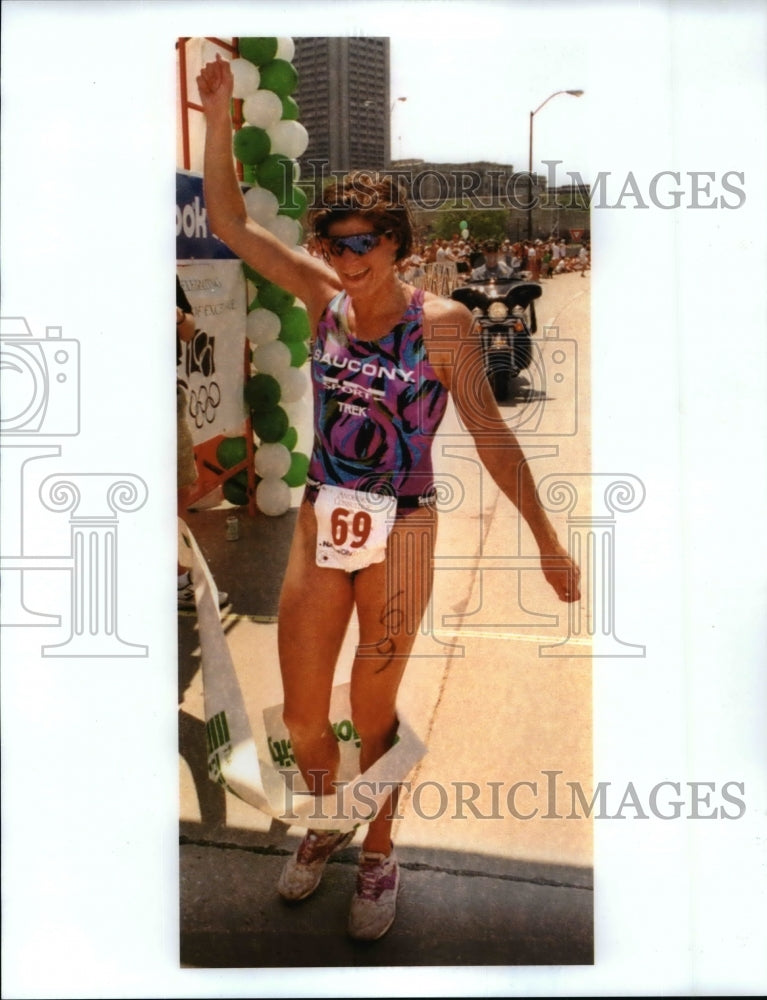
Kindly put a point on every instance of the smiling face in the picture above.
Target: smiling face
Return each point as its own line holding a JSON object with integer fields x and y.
{"x": 358, "y": 271}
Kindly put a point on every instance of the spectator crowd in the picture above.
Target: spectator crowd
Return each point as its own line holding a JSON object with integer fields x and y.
{"x": 541, "y": 258}
{"x": 440, "y": 264}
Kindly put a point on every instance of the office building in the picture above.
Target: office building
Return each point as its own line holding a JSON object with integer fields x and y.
{"x": 343, "y": 96}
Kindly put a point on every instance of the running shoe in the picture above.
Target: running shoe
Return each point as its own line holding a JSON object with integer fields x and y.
{"x": 303, "y": 870}
{"x": 374, "y": 904}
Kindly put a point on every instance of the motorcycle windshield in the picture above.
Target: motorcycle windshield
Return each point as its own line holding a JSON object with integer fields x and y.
{"x": 479, "y": 294}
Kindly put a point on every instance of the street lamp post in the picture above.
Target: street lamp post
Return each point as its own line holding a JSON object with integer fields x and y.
{"x": 387, "y": 131}
{"x": 573, "y": 93}
{"x": 391, "y": 112}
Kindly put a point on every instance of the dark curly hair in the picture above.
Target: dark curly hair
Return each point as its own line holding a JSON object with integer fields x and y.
{"x": 375, "y": 197}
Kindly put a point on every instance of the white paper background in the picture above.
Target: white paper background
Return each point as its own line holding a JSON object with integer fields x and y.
{"x": 89, "y": 764}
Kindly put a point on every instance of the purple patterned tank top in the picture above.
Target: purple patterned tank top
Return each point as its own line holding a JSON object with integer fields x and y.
{"x": 377, "y": 405}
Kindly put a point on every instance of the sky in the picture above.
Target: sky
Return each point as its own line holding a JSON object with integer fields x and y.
{"x": 470, "y": 98}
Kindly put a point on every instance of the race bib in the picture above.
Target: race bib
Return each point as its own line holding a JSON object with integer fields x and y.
{"x": 352, "y": 527}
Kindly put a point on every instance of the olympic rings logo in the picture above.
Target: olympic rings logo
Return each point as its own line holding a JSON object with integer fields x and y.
{"x": 203, "y": 403}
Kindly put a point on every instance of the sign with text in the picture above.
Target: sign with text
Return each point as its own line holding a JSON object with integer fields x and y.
{"x": 211, "y": 366}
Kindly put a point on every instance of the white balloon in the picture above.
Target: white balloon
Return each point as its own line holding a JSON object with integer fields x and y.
{"x": 287, "y": 230}
{"x": 262, "y": 326}
{"x": 289, "y": 138}
{"x": 261, "y": 205}
{"x": 272, "y": 461}
{"x": 273, "y": 496}
{"x": 286, "y": 49}
{"x": 272, "y": 358}
{"x": 293, "y": 384}
{"x": 300, "y": 416}
{"x": 299, "y": 409}
{"x": 264, "y": 109}
{"x": 246, "y": 78}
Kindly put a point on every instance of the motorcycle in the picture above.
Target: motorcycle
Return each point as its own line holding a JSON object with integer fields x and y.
{"x": 504, "y": 308}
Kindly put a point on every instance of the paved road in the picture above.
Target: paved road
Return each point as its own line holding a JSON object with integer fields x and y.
{"x": 495, "y": 873}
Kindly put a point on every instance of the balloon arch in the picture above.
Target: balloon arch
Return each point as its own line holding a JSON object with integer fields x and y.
{"x": 267, "y": 141}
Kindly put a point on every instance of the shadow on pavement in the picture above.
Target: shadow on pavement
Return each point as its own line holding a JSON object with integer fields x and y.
{"x": 454, "y": 909}
{"x": 251, "y": 568}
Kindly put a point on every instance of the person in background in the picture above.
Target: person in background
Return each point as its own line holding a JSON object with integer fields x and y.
{"x": 558, "y": 254}
{"x": 583, "y": 258}
{"x": 445, "y": 253}
{"x": 546, "y": 260}
{"x": 493, "y": 267}
{"x": 534, "y": 260}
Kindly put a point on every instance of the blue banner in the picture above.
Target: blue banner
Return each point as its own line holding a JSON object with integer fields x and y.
{"x": 194, "y": 241}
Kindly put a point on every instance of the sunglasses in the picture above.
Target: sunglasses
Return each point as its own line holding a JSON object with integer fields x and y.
{"x": 360, "y": 243}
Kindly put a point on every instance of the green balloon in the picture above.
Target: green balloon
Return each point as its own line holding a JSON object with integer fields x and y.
{"x": 249, "y": 173}
{"x": 295, "y": 203}
{"x": 275, "y": 173}
{"x": 271, "y": 426}
{"x": 299, "y": 352}
{"x": 231, "y": 451}
{"x": 274, "y": 298}
{"x": 463, "y": 225}
{"x": 251, "y": 144}
{"x": 280, "y": 76}
{"x": 291, "y": 439}
{"x": 290, "y": 112}
{"x": 299, "y": 466}
{"x": 262, "y": 392}
{"x": 294, "y": 325}
{"x": 258, "y": 50}
{"x": 236, "y": 489}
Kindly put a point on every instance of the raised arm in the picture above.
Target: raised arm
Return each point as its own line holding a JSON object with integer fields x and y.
{"x": 457, "y": 356}
{"x": 297, "y": 272}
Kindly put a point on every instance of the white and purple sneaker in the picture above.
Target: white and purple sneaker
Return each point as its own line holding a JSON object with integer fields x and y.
{"x": 303, "y": 871}
{"x": 375, "y": 899}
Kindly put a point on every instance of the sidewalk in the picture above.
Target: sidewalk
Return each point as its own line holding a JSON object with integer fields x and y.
{"x": 497, "y": 884}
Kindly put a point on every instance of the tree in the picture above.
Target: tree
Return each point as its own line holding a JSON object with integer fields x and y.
{"x": 482, "y": 225}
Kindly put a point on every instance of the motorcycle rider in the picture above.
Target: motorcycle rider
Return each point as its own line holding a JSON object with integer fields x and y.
{"x": 493, "y": 267}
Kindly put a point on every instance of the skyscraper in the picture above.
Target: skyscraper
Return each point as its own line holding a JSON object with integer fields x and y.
{"x": 343, "y": 96}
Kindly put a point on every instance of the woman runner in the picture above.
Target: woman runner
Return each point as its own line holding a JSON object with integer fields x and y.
{"x": 384, "y": 357}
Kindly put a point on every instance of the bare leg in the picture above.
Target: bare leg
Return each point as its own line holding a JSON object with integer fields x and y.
{"x": 391, "y": 598}
{"x": 315, "y": 608}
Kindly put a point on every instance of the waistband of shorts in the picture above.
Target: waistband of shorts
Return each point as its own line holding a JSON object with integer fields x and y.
{"x": 404, "y": 501}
